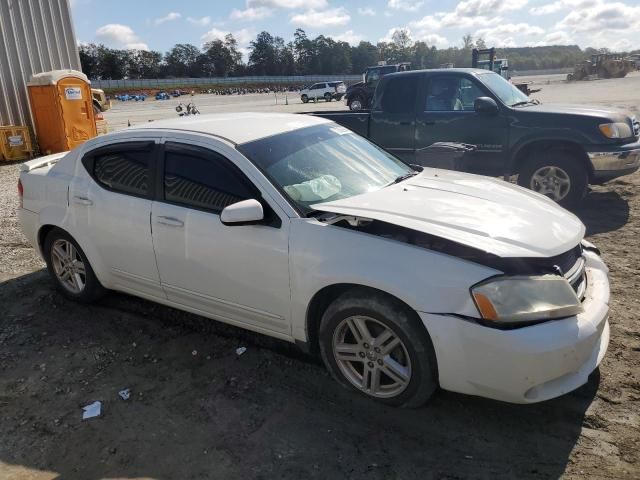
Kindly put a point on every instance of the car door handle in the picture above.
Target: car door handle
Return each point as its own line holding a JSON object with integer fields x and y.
{"x": 170, "y": 221}
{"x": 82, "y": 200}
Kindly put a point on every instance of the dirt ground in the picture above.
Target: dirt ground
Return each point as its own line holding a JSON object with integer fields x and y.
{"x": 198, "y": 410}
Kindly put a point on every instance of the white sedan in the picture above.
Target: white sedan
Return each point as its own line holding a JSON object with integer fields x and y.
{"x": 294, "y": 227}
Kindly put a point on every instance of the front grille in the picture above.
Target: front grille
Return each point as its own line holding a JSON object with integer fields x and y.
{"x": 566, "y": 261}
{"x": 577, "y": 278}
{"x": 571, "y": 265}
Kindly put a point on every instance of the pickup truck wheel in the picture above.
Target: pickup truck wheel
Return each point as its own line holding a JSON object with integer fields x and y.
{"x": 558, "y": 175}
{"x": 305, "y": 99}
{"x": 68, "y": 266}
{"x": 327, "y": 97}
{"x": 375, "y": 345}
{"x": 356, "y": 104}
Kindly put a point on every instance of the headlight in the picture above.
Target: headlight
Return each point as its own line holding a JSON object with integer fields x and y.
{"x": 615, "y": 130}
{"x": 525, "y": 299}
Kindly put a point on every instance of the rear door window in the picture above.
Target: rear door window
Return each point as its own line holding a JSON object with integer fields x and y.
{"x": 123, "y": 168}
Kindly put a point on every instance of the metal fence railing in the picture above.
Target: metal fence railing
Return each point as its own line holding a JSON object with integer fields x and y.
{"x": 221, "y": 81}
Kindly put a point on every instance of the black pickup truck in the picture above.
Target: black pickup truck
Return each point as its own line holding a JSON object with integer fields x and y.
{"x": 556, "y": 150}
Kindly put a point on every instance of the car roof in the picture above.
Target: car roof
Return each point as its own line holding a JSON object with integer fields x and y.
{"x": 237, "y": 127}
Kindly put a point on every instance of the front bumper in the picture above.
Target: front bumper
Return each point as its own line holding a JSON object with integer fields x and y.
{"x": 529, "y": 364}
{"x": 615, "y": 163}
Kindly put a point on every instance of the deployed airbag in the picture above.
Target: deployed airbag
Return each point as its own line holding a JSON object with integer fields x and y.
{"x": 316, "y": 189}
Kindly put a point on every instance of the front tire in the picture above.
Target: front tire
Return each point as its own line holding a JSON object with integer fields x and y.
{"x": 356, "y": 104}
{"x": 69, "y": 268}
{"x": 305, "y": 99}
{"x": 375, "y": 345}
{"x": 558, "y": 175}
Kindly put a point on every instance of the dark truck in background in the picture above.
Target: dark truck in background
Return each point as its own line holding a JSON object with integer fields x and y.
{"x": 359, "y": 95}
{"x": 556, "y": 150}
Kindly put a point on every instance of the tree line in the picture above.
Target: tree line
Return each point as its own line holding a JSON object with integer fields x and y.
{"x": 270, "y": 55}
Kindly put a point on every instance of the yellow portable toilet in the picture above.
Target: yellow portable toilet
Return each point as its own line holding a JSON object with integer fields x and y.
{"x": 62, "y": 109}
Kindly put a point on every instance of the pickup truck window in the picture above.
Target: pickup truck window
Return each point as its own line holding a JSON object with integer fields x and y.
{"x": 503, "y": 89}
{"x": 323, "y": 163}
{"x": 373, "y": 76}
{"x": 447, "y": 94}
{"x": 399, "y": 95}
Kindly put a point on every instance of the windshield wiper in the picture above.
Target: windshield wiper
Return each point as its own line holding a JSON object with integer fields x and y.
{"x": 402, "y": 177}
{"x": 534, "y": 101}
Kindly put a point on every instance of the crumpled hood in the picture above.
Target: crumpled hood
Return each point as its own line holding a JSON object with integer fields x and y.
{"x": 481, "y": 212}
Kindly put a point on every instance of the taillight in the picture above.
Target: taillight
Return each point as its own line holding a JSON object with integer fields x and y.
{"x": 20, "y": 192}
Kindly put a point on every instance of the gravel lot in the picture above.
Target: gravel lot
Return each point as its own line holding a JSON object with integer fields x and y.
{"x": 199, "y": 411}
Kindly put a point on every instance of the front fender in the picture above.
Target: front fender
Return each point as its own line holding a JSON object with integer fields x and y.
{"x": 543, "y": 140}
{"x": 322, "y": 255}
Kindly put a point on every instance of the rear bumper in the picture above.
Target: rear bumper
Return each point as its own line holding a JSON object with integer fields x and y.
{"x": 530, "y": 364}
{"x": 615, "y": 163}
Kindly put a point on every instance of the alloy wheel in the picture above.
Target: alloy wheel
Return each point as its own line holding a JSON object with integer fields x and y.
{"x": 68, "y": 266}
{"x": 371, "y": 356}
{"x": 551, "y": 181}
{"x": 355, "y": 105}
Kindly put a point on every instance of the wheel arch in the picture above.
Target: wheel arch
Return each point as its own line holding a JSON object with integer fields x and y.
{"x": 571, "y": 147}
{"x": 326, "y": 295}
{"x": 42, "y": 234}
{"x": 92, "y": 256}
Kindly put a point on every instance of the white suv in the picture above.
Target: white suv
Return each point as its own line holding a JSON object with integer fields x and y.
{"x": 326, "y": 90}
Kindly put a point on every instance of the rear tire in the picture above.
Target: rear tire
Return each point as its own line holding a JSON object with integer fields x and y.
{"x": 327, "y": 97}
{"x": 69, "y": 268}
{"x": 393, "y": 361}
{"x": 559, "y": 175}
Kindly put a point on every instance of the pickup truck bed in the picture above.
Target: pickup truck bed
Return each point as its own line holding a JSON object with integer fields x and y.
{"x": 357, "y": 122}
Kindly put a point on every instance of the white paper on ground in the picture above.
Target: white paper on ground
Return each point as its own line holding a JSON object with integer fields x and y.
{"x": 92, "y": 410}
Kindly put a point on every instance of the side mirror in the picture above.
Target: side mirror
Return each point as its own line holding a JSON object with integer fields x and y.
{"x": 485, "y": 105}
{"x": 242, "y": 213}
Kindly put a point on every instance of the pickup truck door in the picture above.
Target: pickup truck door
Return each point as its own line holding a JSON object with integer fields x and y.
{"x": 393, "y": 117}
{"x": 446, "y": 114}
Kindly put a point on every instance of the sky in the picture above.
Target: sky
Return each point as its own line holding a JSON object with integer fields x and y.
{"x": 159, "y": 24}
